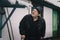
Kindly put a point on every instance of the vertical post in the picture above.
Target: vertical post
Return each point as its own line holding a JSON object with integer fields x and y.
{"x": 29, "y": 8}
{"x": 0, "y": 25}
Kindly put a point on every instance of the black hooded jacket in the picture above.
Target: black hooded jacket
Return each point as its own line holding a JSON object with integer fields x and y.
{"x": 32, "y": 28}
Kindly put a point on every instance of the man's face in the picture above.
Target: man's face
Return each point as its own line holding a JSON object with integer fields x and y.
{"x": 35, "y": 13}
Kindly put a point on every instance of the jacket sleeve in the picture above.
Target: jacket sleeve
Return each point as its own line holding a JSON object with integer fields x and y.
{"x": 22, "y": 26}
{"x": 43, "y": 28}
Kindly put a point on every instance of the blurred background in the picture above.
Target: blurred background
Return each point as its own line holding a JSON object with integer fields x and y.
{"x": 12, "y": 12}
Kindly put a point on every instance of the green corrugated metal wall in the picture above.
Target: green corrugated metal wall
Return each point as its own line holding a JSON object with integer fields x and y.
{"x": 55, "y": 25}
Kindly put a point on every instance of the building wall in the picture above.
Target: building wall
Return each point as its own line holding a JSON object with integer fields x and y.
{"x": 15, "y": 20}
{"x": 48, "y": 20}
{"x": 18, "y": 14}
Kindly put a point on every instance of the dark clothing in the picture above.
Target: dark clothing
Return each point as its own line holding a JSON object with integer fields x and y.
{"x": 32, "y": 29}
{"x": 32, "y": 38}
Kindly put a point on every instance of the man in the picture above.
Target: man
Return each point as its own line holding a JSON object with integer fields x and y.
{"x": 32, "y": 26}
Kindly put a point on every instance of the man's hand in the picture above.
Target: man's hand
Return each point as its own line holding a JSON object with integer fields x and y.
{"x": 23, "y": 36}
